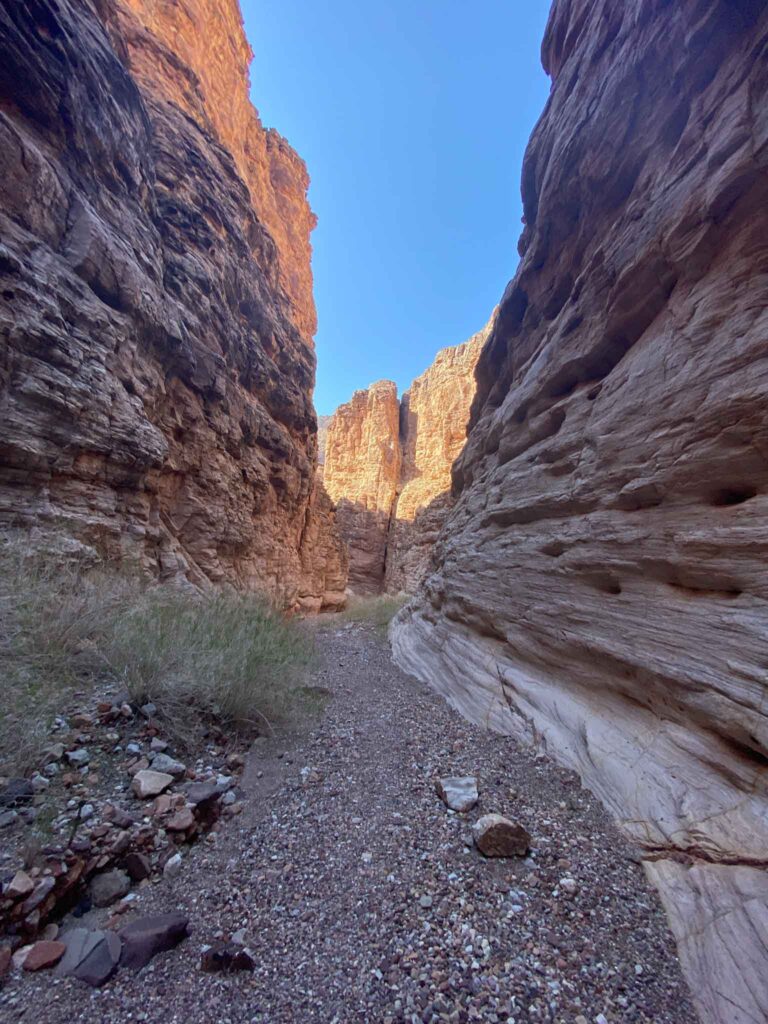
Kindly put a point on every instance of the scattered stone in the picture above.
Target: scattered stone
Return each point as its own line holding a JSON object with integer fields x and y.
{"x": 20, "y": 886}
{"x": 173, "y": 866}
{"x": 497, "y": 836}
{"x": 157, "y": 746}
{"x": 163, "y": 763}
{"x": 78, "y": 758}
{"x": 425, "y": 902}
{"x": 458, "y": 793}
{"x": 40, "y": 783}
{"x": 44, "y": 954}
{"x": 138, "y": 866}
{"x": 200, "y": 792}
{"x": 568, "y": 886}
{"x": 146, "y": 937}
{"x": 20, "y": 956}
{"x": 91, "y": 956}
{"x": 227, "y": 956}
{"x": 7, "y": 818}
{"x": 5, "y": 961}
{"x": 118, "y": 816}
{"x": 16, "y": 792}
{"x": 108, "y": 887}
{"x": 41, "y": 890}
{"x": 148, "y": 710}
{"x": 181, "y": 821}
{"x": 147, "y": 783}
{"x": 55, "y": 752}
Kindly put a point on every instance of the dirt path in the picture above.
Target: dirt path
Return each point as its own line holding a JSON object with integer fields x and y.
{"x": 364, "y": 901}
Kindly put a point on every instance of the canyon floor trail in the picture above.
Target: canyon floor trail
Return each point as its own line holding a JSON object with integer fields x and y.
{"x": 363, "y": 899}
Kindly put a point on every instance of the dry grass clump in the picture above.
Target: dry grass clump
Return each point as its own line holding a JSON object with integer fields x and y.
{"x": 228, "y": 657}
{"x": 379, "y": 610}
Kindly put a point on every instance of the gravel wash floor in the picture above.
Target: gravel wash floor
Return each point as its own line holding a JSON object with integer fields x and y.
{"x": 363, "y": 899}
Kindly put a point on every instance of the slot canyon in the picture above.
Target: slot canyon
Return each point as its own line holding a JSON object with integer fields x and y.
{"x": 571, "y": 507}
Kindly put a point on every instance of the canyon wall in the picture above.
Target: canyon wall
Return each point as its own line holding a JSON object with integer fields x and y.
{"x": 388, "y": 468}
{"x": 361, "y": 474}
{"x": 156, "y": 307}
{"x": 600, "y": 585}
{"x": 434, "y": 413}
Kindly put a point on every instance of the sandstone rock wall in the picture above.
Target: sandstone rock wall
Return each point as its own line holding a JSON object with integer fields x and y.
{"x": 388, "y": 468}
{"x": 601, "y": 583}
{"x": 155, "y": 300}
{"x": 434, "y": 413}
{"x": 361, "y": 474}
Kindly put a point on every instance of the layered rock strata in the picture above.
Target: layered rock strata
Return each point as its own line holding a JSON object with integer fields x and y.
{"x": 434, "y": 413}
{"x": 600, "y": 584}
{"x": 388, "y": 468}
{"x": 361, "y": 474}
{"x": 155, "y": 301}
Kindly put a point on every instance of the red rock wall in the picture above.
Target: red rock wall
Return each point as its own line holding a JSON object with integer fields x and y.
{"x": 155, "y": 301}
{"x": 388, "y": 468}
{"x": 601, "y": 583}
{"x": 361, "y": 474}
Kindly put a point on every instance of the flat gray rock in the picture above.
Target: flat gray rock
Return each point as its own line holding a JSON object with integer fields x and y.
{"x": 148, "y": 783}
{"x": 458, "y": 792}
{"x": 108, "y": 887}
{"x": 91, "y": 956}
{"x": 164, "y": 763}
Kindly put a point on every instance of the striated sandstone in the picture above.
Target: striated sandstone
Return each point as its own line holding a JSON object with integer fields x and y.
{"x": 600, "y": 583}
{"x": 434, "y": 413}
{"x": 388, "y": 468}
{"x": 155, "y": 301}
{"x": 361, "y": 474}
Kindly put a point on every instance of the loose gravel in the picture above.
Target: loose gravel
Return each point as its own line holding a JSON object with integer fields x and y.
{"x": 363, "y": 899}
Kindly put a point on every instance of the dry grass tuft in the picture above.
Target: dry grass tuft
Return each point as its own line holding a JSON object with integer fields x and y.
{"x": 228, "y": 657}
{"x": 379, "y": 610}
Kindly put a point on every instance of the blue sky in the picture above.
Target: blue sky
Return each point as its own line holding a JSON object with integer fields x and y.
{"x": 413, "y": 119}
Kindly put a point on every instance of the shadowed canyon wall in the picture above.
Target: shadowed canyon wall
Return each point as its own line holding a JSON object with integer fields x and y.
{"x": 156, "y": 303}
{"x": 600, "y": 584}
{"x": 388, "y": 468}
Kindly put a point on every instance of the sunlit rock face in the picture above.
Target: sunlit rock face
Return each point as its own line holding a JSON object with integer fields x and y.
{"x": 434, "y": 413}
{"x": 361, "y": 474}
{"x": 388, "y": 468}
{"x": 601, "y": 584}
{"x": 155, "y": 301}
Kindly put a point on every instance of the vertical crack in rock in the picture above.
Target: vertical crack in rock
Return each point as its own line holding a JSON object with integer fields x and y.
{"x": 156, "y": 302}
{"x": 599, "y": 584}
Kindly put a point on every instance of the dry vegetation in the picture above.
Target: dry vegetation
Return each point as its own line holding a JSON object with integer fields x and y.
{"x": 378, "y": 610}
{"x": 227, "y": 657}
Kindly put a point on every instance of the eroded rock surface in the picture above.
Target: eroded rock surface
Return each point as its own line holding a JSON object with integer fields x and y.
{"x": 434, "y": 413}
{"x": 388, "y": 468}
{"x": 361, "y": 474}
{"x": 155, "y": 300}
{"x": 600, "y": 584}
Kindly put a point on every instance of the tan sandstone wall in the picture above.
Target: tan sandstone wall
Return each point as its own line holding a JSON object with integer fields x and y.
{"x": 388, "y": 468}
{"x": 155, "y": 302}
{"x": 361, "y": 474}
{"x": 434, "y": 413}
{"x": 601, "y": 582}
